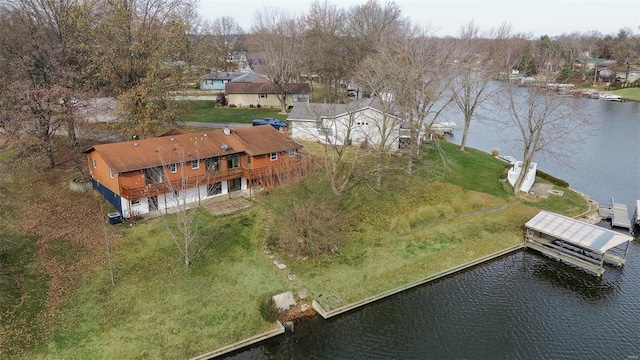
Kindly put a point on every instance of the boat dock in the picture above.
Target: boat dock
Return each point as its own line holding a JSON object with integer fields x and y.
{"x": 618, "y": 214}
{"x": 636, "y": 214}
{"x": 575, "y": 242}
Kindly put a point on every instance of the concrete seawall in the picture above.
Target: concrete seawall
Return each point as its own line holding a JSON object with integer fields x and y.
{"x": 240, "y": 344}
{"x": 343, "y": 309}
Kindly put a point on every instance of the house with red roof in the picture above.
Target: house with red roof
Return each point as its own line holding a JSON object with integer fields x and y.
{"x": 157, "y": 174}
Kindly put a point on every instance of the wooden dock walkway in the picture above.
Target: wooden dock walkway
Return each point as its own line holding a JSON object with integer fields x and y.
{"x": 618, "y": 214}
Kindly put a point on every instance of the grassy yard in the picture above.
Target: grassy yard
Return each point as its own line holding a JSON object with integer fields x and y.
{"x": 446, "y": 214}
{"x": 158, "y": 308}
{"x": 629, "y": 93}
{"x": 430, "y": 224}
{"x": 207, "y": 111}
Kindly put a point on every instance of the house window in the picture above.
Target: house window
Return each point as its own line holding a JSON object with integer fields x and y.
{"x": 292, "y": 153}
{"x": 233, "y": 161}
{"x": 262, "y": 96}
{"x": 235, "y": 184}
{"x": 111, "y": 175}
{"x": 213, "y": 164}
{"x": 153, "y": 175}
{"x": 174, "y": 168}
{"x": 300, "y": 98}
{"x": 195, "y": 164}
{"x": 95, "y": 163}
{"x": 248, "y": 160}
{"x": 135, "y": 202}
{"x": 176, "y": 194}
{"x": 214, "y": 189}
{"x": 326, "y": 132}
{"x": 274, "y": 156}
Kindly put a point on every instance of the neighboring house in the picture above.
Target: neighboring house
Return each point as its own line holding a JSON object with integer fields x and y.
{"x": 356, "y": 122}
{"x": 218, "y": 80}
{"x": 250, "y": 78}
{"x": 590, "y": 63}
{"x": 605, "y": 74}
{"x": 265, "y": 94}
{"x": 634, "y": 75}
{"x": 239, "y": 58}
{"x": 158, "y": 174}
{"x": 254, "y": 60}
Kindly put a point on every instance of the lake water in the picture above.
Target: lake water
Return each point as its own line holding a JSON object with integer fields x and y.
{"x": 519, "y": 306}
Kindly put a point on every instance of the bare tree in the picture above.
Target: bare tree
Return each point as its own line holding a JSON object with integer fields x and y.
{"x": 471, "y": 81}
{"x": 422, "y": 81}
{"x": 222, "y": 36}
{"x": 324, "y": 48}
{"x": 276, "y": 34}
{"x": 335, "y": 125}
{"x": 626, "y": 50}
{"x": 547, "y": 123}
{"x": 181, "y": 184}
{"x": 385, "y": 124}
{"x": 570, "y": 48}
{"x": 368, "y": 23}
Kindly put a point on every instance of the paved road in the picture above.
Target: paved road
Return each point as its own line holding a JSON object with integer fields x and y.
{"x": 212, "y": 125}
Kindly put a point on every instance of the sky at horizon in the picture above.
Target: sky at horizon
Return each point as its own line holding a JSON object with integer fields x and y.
{"x": 445, "y": 17}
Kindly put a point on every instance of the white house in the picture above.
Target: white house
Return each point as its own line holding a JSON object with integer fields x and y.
{"x": 365, "y": 120}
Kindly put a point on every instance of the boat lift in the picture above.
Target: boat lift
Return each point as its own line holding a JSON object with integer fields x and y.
{"x": 618, "y": 214}
{"x": 575, "y": 242}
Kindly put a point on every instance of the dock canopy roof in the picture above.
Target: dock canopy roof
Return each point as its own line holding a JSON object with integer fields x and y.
{"x": 577, "y": 232}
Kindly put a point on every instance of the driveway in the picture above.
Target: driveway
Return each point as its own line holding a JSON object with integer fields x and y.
{"x": 212, "y": 125}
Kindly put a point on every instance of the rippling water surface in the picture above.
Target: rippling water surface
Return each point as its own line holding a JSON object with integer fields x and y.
{"x": 519, "y": 306}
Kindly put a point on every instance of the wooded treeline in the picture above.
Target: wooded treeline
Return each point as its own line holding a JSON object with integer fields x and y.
{"x": 140, "y": 51}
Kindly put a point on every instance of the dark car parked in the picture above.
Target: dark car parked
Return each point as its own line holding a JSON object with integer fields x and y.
{"x": 276, "y": 123}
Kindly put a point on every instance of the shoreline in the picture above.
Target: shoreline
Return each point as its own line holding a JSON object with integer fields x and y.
{"x": 299, "y": 313}
{"x": 298, "y": 316}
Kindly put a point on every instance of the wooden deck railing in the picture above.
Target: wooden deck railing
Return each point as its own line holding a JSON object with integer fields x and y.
{"x": 135, "y": 193}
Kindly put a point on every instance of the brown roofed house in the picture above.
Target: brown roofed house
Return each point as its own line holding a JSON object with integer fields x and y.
{"x": 265, "y": 94}
{"x": 142, "y": 176}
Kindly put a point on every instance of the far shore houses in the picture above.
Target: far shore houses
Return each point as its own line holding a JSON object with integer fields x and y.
{"x": 158, "y": 174}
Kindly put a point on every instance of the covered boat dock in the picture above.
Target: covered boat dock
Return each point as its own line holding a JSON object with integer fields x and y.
{"x": 575, "y": 242}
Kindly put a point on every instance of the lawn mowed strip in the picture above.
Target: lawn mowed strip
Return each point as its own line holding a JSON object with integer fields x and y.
{"x": 629, "y": 93}
{"x": 208, "y": 112}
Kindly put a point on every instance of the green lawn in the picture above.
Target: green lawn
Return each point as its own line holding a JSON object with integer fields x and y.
{"x": 444, "y": 216}
{"x": 207, "y": 111}
{"x": 629, "y": 93}
{"x": 160, "y": 309}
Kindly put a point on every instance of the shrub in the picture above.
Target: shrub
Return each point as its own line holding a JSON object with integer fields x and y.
{"x": 505, "y": 172}
{"x": 222, "y": 99}
{"x": 268, "y": 308}
{"x": 311, "y": 227}
{"x": 232, "y": 105}
{"x": 495, "y": 152}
